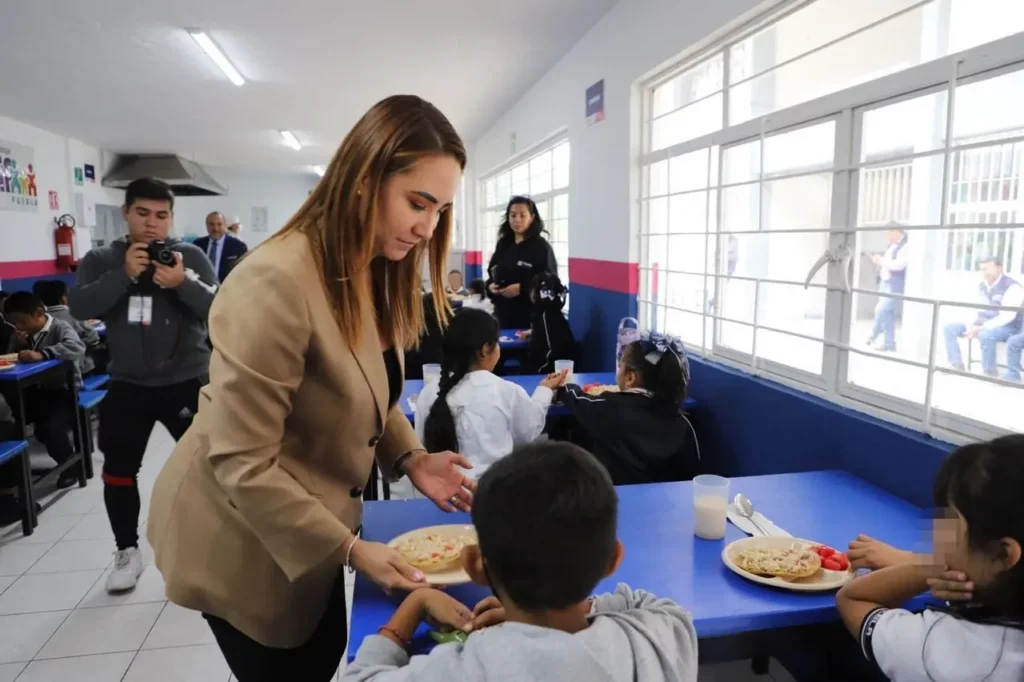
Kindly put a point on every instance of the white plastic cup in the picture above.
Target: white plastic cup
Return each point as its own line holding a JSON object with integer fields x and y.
{"x": 563, "y": 365}
{"x": 431, "y": 372}
{"x": 710, "y": 506}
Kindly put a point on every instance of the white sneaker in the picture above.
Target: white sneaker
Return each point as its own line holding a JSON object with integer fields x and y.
{"x": 126, "y": 571}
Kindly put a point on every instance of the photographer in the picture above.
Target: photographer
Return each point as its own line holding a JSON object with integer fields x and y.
{"x": 154, "y": 293}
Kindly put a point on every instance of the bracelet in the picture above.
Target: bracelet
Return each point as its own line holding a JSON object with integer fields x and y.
{"x": 404, "y": 643}
{"x": 348, "y": 553}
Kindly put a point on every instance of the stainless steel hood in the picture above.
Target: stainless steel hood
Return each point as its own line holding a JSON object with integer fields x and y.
{"x": 186, "y": 178}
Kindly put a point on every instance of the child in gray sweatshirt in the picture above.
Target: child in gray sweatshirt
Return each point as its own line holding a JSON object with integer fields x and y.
{"x": 545, "y": 517}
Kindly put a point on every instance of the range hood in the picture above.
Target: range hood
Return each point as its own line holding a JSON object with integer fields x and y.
{"x": 186, "y": 178}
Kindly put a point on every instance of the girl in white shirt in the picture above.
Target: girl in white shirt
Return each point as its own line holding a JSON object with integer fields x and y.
{"x": 471, "y": 410}
{"x": 976, "y": 568}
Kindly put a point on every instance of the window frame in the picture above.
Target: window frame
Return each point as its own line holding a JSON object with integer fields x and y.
{"x": 847, "y": 107}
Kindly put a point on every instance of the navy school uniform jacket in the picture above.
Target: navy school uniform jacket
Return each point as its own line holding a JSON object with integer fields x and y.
{"x": 550, "y": 339}
{"x": 637, "y": 438}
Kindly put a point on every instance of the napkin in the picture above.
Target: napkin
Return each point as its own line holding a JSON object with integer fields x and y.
{"x": 747, "y": 527}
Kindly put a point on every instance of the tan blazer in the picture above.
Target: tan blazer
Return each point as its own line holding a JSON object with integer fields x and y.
{"x": 249, "y": 514}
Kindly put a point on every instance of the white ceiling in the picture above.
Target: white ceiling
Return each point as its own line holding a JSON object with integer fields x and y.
{"x": 125, "y": 76}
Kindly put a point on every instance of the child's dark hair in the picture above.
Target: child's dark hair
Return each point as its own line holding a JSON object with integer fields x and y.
{"x": 547, "y": 291}
{"x": 478, "y": 287}
{"x": 983, "y": 482}
{"x": 546, "y": 518}
{"x": 148, "y": 188}
{"x": 50, "y": 291}
{"x": 666, "y": 377}
{"x": 470, "y": 332}
{"x": 22, "y": 303}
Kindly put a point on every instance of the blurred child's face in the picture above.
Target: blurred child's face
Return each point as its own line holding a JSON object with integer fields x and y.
{"x": 28, "y": 324}
{"x": 949, "y": 538}
{"x": 489, "y": 357}
{"x": 454, "y": 281}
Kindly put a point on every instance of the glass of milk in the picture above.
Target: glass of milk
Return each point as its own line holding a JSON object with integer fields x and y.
{"x": 565, "y": 366}
{"x": 710, "y": 506}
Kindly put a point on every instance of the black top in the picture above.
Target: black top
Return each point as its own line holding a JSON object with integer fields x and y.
{"x": 514, "y": 263}
{"x": 394, "y": 370}
{"x": 550, "y": 339}
{"x": 637, "y": 438}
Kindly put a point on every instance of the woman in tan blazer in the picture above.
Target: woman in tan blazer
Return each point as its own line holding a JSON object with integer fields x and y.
{"x": 253, "y": 516}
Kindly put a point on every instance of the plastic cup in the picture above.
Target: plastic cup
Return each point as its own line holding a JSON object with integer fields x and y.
{"x": 565, "y": 365}
{"x": 431, "y": 372}
{"x": 710, "y": 506}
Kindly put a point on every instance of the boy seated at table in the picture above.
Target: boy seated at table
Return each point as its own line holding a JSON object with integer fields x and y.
{"x": 40, "y": 336}
{"x": 639, "y": 433}
{"x": 977, "y": 568}
{"x": 546, "y": 520}
{"x": 54, "y": 295}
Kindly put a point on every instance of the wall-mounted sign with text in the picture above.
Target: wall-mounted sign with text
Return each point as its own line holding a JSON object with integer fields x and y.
{"x": 595, "y": 103}
{"x": 18, "y": 190}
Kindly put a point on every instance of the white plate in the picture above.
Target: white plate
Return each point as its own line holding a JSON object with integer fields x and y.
{"x": 822, "y": 581}
{"x": 4, "y": 368}
{"x": 452, "y": 576}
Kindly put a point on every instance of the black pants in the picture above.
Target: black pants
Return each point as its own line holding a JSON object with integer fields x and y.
{"x": 53, "y": 416}
{"x": 315, "y": 661}
{"x": 127, "y": 417}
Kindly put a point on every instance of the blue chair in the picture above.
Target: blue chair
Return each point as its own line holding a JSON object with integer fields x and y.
{"x": 88, "y": 401}
{"x": 95, "y": 382}
{"x": 10, "y": 451}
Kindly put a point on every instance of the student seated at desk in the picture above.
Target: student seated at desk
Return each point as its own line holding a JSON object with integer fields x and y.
{"x": 477, "y": 297}
{"x": 977, "y": 568}
{"x": 6, "y": 328}
{"x": 640, "y": 433}
{"x": 550, "y": 336}
{"x": 546, "y": 519}
{"x": 471, "y": 410}
{"x": 54, "y": 295}
{"x": 40, "y": 336}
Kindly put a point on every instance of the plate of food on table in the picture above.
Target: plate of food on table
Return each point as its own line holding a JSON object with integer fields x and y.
{"x": 7, "y": 361}
{"x": 788, "y": 563}
{"x": 599, "y": 388}
{"x": 437, "y": 551}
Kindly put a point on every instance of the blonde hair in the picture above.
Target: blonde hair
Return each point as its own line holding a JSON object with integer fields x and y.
{"x": 389, "y": 139}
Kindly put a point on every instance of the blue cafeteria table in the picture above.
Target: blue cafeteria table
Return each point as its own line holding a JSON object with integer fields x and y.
{"x": 735, "y": 618}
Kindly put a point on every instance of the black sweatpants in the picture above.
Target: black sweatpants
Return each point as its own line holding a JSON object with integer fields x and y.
{"x": 315, "y": 661}
{"x": 127, "y": 417}
{"x": 53, "y": 416}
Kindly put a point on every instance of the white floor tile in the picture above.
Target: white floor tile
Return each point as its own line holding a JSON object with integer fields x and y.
{"x": 17, "y": 558}
{"x": 47, "y": 592}
{"x": 178, "y": 626}
{"x": 91, "y": 527}
{"x": 10, "y": 671}
{"x": 50, "y": 529}
{"x": 77, "y": 501}
{"x": 74, "y": 555}
{"x": 5, "y": 582}
{"x": 21, "y": 637}
{"x": 102, "y": 631}
{"x": 101, "y": 668}
{"x": 181, "y": 664}
{"x": 150, "y": 589}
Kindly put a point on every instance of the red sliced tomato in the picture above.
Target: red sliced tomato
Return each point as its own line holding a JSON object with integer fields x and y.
{"x": 842, "y": 560}
{"x": 830, "y": 564}
{"x": 826, "y": 552}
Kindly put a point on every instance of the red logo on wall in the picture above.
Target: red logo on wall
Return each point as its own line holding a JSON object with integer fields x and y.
{"x": 54, "y": 203}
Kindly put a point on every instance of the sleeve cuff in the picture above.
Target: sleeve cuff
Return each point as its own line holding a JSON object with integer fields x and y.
{"x": 543, "y": 395}
{"x": 377, "y": 650}
{"x": 867, "y": 631}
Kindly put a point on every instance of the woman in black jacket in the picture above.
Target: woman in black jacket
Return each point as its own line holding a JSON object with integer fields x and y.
{"x": 521, "y": 254}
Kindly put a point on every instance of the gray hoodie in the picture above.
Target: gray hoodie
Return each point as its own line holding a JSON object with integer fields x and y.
{"x": 90, "y": 337}
{"x": 632, "y": 636}
{"x": 173, "y": 348}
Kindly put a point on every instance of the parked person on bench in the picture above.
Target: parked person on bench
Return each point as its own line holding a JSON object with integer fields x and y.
{"x": 54, "y": 295}
{"x": 640, "y": 433}
{"x": 40, "y": 336}
{"x": 550, "y": 336}
{"x": 990, "y": 327}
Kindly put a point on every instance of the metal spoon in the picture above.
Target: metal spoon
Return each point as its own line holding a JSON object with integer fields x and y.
{"x": 745, "y": 508}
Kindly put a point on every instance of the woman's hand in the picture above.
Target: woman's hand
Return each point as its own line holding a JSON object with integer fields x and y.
{"x": 951, "y": 586}
{"x": 385, "y": 566}
{"x": 511, "y": 291}
{"x": 556, "y": 380}
{"x": 443, "y": 612}
{"x": 439, "y": 477}
{"x": 494, "y": 288}
{"x": 866, "y": 552}
{"x": 487, "y": 613}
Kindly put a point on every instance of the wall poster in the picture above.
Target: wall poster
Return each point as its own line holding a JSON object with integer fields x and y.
{"x": 18, "y": 191}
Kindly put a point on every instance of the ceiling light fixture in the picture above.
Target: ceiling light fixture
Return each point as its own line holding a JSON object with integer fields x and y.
{"x": 211, "y": 49}
{"x": 291, "y": 140}
{"x": 319, "y": 170}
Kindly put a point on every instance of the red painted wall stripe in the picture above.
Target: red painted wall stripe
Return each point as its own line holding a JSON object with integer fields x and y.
{"x": 474, "y": 258}
{"x": 604, "y": 274}
{"x": 29, "y": 268}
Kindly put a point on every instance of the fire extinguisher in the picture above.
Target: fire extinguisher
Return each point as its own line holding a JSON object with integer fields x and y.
{"x": 64, "y": 237}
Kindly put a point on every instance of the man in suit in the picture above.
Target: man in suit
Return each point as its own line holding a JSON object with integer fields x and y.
{"x": 221, "y": 248}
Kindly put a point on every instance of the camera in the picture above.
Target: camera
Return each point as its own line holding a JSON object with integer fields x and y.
{"x": 160, "y": 253}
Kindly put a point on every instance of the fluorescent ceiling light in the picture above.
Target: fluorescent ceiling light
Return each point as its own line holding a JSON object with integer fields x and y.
{"x": 211, "y": 49}
{"x": 319, "y": 170}
{"x": 291, "y": 140}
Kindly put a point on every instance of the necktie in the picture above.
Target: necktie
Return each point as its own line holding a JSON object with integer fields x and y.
{"x": 212, "y": 255}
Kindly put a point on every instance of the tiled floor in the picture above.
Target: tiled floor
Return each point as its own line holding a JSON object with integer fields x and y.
{"x": 58, "y": 624}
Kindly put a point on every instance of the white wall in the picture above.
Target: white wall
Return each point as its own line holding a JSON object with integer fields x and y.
{"x": 29, "y": 236}
{"x": 634, "y": 38}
